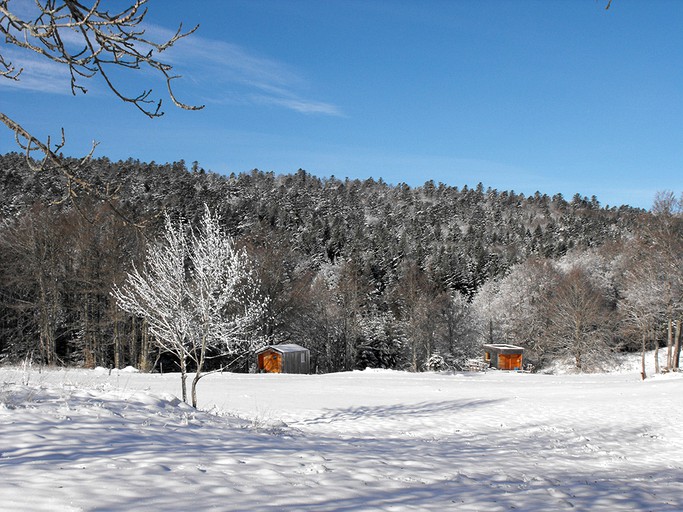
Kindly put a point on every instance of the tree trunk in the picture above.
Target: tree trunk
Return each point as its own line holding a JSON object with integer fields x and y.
{"x": 183, "y": 376}
{"x": 643, "y": 374}
{"x": 195, "y": 380}
{"x": 47, "y": 335}
{"x": 133, "y": 346}
{"x": 656, "y": 344}
{"x": 677, "y": 345}
{"x": 576, "y": 343}
{"x": 669, "y": 344}
{"x": 117, "y": 341}
{"x": 88, "y": 352}
{"x": 144, "y": 347}
{"x": 200, "y": 368}
{"x": 349, "y": 352}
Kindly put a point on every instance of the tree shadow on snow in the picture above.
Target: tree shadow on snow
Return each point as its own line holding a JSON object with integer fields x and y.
{"x": 382, "y": 412}
{"x": 209, "y": 462}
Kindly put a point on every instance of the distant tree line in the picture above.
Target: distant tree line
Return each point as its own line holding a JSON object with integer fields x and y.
{"x": 360, "y": 272}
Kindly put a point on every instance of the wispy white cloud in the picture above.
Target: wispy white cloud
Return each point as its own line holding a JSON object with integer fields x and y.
{"x": 216, "y": 71}
{"x": 38, "y": 74}
{"x": 231, "y": 71}
{"x": 298, "y": 104}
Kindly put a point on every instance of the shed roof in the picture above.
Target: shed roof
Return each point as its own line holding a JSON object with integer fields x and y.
{"x": 283, "y": 348}
{"x": 504, "y": 347}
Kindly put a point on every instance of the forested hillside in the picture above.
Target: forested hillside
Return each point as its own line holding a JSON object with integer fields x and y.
{"x": 361, "y": 272}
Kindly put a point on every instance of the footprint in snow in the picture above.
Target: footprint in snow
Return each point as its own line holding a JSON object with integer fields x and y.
{"x": 561, "y": 496}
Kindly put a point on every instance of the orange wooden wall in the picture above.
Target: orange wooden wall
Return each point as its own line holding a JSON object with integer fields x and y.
{"x": 270, "y": 362}
{"x": 509, "y": 361}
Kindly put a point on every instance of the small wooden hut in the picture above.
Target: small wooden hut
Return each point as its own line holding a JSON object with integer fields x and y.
{"x": 285, "y": 358}
{"x": 504, "y": 356}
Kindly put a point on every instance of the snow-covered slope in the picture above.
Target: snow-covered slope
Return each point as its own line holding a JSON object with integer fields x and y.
{"x": 372, "y": 440}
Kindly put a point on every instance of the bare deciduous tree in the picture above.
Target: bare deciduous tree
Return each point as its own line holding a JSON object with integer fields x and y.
{"x": 32, "y": 278}
{"x": 665, "y": 240}
{"x": 579, "y": 320}
{"x": 653, "y": 279}
{"x": 641, "y": 305}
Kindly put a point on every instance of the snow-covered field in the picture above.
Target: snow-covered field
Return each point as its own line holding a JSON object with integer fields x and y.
{"x": 372, "y": 440}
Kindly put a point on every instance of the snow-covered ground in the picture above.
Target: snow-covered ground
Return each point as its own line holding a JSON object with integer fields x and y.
{"x": 372, "y": 440}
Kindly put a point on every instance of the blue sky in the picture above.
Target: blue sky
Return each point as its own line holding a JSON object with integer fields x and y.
{"x": 525, "y": 95}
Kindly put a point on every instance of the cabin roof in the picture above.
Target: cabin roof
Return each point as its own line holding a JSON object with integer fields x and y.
{"x": 283, "y": 348}
{"x": 503, "y": 346}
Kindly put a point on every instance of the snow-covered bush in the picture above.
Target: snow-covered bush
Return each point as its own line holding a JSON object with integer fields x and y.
{"x": 436, "y": 363}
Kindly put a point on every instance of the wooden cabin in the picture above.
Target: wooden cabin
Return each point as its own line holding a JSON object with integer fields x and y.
{"x": 285, "y": 358}
{"x": 504, "y": 356}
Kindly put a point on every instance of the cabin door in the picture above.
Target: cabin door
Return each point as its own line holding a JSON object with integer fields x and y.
{"x": 272, "y": 362}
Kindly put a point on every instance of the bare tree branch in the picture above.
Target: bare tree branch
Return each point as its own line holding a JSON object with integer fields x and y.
{"x": 104, "y": 42}
{"x": 88, "y": 40}
{"x": 52, "y": 161}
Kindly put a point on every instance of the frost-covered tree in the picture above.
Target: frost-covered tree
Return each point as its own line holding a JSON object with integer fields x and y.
{"x": 652, "y": 302}
{"x": 436, "y": 363}
{"x": 579, "y": 320}
{"x": 224, "y": 297}
{"x": 552, "y": 308}
{"x": 513, "y": 309}
{"x": 199, "y": 295}
{"x": 159, "y": 293}
{"x": 641, "y": 305}
{"x": 663, "y": 240}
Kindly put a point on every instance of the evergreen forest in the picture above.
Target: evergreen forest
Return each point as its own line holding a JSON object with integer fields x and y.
{"x": 362, "y": 273}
